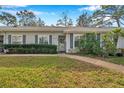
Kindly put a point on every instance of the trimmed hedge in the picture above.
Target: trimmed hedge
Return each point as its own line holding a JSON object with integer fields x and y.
{"x": 31, "y": 49}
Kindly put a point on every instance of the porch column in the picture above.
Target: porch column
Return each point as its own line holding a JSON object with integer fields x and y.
{"x": 9, "y": 39}
{"x": 101, "y": 41}
{"x": 69, "y": 42}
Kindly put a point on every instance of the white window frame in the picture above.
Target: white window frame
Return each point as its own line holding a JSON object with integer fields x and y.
{"x": 41, "y": 36}
{"x": 77, "y": 36}
{"x": 18, "y": 39}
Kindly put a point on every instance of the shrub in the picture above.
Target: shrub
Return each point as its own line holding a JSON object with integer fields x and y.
{"x": 31, "y": 49}
{"x": 90, "y": 45}
{"x": 119, "y": 54}
{"x": 109, "y": 43}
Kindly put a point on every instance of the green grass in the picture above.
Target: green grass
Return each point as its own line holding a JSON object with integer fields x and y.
{"x": 112, "y": 59}
{"x": 55, "y": 72}
{"x": 116, "y": 60}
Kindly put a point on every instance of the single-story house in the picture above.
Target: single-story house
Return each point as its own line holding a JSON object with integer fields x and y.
{"x": 63, "y": 37}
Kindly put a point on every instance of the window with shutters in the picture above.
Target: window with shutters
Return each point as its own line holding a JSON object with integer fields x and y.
{"x": 1, "y": 39}
{"x": 16, "y": 39}
{"x": 50, "y": 39}
{"x": 43, "y": 39}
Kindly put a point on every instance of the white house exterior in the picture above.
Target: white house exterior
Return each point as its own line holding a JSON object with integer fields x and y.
{"x": 63, "y": 37}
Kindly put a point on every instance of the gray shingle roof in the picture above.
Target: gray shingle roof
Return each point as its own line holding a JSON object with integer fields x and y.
{"x": 86, "y": 29}
{"x": 53, "y": 29}
{"x": 56, "y": 29}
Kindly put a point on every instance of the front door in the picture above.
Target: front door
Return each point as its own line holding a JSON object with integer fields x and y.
{"x": 61, "y": 44}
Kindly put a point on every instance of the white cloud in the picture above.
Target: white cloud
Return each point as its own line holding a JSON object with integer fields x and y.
{"x": 15, "y": 11}
{"x": 90, "y": 8}
{"x": 41, "y": 12}
{"x": 13, "y": 6}
{"x": 38, "y": 12}
{"x": 9, "y": 11}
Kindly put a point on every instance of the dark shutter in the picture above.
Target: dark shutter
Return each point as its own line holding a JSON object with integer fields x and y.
{"x": 36, "y": 39}
{"x": 24, "y": 39}
{"x": 9, "y": 39}
{"x": 50, "y": 39}
{"x": 71, "y": 40}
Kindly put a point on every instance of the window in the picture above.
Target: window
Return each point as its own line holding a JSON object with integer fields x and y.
{"x": 1, "y": 39}
{"x": 98, "y": 37}
{"x": 16, "y": 39}
{"x": 43, "y": 40}
{"x": 77, "y": 41}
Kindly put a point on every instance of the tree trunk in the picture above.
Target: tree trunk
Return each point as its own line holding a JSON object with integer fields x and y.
{"x": 118, "y": 23}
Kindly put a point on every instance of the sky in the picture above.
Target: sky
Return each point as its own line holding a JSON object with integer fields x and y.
{"x": 51, "y": 13}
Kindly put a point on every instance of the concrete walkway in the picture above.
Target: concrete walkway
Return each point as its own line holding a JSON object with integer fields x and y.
{"x": 94, "y": 61}
{"x": 98, "y": 62}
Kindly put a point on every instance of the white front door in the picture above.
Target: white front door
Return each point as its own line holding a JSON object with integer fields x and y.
{"x": 61, "y": 43}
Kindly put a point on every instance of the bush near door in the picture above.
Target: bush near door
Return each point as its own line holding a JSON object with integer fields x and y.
{"x": 30, "y": 49}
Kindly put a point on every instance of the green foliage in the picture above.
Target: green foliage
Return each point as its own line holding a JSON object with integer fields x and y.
{"x": 109, "y": 46}
{"x": 40, "y": 22}
{"x": 31, "y": 49}
{"x": 90, "y": 45}
{"x": 8, "y": 19}
{"x": 84, "y": 20}
{"x": 114, "y": 13}
{"x": 64, "y": 20}
{"x": 110, "y": 40}
{"x": 118, "y": 32}
{"x": 26, "y": 18}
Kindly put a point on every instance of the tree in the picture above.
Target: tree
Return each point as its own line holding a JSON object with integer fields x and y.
{"x": 8, "y": 19}
{"x": 110, "y": 40}
{"x": 65, "y": 20}
{"x": 40, "y": 22}
{"x": 84, "y": 20}
{"x": 59, "y": 22}
{"x": 109, "y": 14}
{"x": 26, "y": 18}
{"x": 70, "y": 22}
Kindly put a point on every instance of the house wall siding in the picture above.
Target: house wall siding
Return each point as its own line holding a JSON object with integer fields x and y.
{"x": 30, "y": 37}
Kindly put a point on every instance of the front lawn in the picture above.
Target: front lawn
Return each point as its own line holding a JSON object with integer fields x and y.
{"x": 116, "y": 60}
{"x": 112, "y": 59}
{"x": 55, "y": 71}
